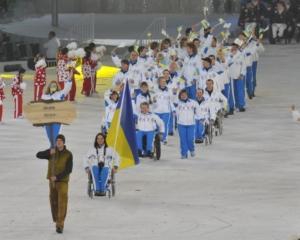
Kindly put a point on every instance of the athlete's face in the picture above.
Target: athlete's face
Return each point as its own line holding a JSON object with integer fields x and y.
{"x": 166, "y": 75}
{"x": 144, "y": 88}
{"x": 209, "y": 85}
{"x": 53, "y": 88}
{"x": 134, "y": 56}
{"x": 144, "y": 109}
{"x": 100, "y": 140}
{"x": 199, "y": 93}
{"x": 162, "y": 82}
{"x": 184, "y": 96}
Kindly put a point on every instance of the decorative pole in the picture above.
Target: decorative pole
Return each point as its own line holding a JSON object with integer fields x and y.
{"x": 54, "y": 12}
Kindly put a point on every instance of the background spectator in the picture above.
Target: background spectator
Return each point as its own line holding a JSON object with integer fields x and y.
{"x": 52, "y": 45}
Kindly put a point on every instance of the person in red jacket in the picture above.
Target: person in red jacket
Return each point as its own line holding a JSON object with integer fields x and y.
{"x": 17, "y": 88}
{"x": 63, "y": 73}
{"x": 40, "y": 77}
{"x": 2, "y": 97}
{"x": 87, "y": 73}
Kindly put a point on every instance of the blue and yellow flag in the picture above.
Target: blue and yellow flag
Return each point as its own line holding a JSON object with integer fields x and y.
{"x": 121, "y": 134}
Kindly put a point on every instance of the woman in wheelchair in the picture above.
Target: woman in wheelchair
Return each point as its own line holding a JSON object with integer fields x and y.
{"x": 100, "y": 163}
{"x": 147, "y": 125}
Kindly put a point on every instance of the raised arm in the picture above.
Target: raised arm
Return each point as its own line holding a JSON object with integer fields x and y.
{"x": 43, "y": 154}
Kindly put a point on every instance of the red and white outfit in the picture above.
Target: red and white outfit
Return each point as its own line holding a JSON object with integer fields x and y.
{"x": 87, "y": 76}
{"x": 63, "y": 73}
{"x": 2, "y": 97}
{"x": 39, "y": 79}
{"x": 17, "y": 93}
{"x": 72, "y": 93}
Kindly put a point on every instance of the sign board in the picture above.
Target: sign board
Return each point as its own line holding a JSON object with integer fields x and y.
{"x": 43, "y": 113}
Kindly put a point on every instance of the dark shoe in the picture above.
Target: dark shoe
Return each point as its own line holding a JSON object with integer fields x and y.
{"x": 198, "y": 141}
{"x": 59, "y": 230}
{"x": 102, "y": 194}
{"x": 231, "y": 112}
{"x": 171, "y": 134}
{"x": 250, "y": 97}
{"x": 242, "y": 110}
{"x": 140, "y": 153}
{"x": 149, "y": 154}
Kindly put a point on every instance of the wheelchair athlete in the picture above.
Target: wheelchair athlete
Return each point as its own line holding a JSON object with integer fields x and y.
{"x": 147, "y": 124}
{"x": 99, "y": 163}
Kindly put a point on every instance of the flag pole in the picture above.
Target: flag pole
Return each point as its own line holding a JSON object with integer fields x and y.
{"x": 119, "y": 121}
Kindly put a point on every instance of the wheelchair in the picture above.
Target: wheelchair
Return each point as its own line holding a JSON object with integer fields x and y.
{"x": 209, "y": 132}
{"x": 110, "y": 189}
{"x": 156, "y": 146}
{"x": 219, "y": 123}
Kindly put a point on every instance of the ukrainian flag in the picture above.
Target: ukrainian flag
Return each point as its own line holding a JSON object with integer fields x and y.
{"x": 121, "y": 134}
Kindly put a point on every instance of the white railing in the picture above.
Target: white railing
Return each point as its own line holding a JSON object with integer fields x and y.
{"x": 84, "y": 31}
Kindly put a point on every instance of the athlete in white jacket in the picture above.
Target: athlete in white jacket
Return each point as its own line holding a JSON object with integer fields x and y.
{"x": 186, "y": 111}
{"x": 202, "y": 116}
{"x": 237, "y": 72}
{"x": 215, "y": 99}
{"x": 163, "y": 104}
{"x": 110, "y": 108}
{"x": 147, "y": 124}
{"x": 190, "y": 70}
{"x": 100, "y": 160}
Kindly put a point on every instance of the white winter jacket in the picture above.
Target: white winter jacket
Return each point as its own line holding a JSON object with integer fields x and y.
{"x": 96, "y": 155}
{"x": 162, "y": 101}
{"x": 149, "y": 122}
{"x": 186, "y": 112}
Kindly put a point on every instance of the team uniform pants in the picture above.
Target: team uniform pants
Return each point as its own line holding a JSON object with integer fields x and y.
{"x": 149, "y": 140}
{"x": 249, "y": 81}
{"x": 254, "y": 70}
{"x": 228, "y": 93}
{"x": 100, "y": 178}
{"x": 165, "y": 117}
{"x": 239, "y": 93}
{"x": 199, "y": 130}
{"x": 187, "y": 136}
{"x": 58, "y": 202}
{"x": 171, "y": 123}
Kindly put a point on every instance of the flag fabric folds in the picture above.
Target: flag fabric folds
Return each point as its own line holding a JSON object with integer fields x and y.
{"x": 121, "y": 134}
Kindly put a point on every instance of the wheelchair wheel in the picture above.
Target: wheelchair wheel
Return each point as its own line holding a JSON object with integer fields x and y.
{"x": 113, "y": 189}
{"x": 90, "y": 188}
{"x": 220, "y": 127}
{"x": 113, "y": 185}
{"x": 157, "y": 147}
